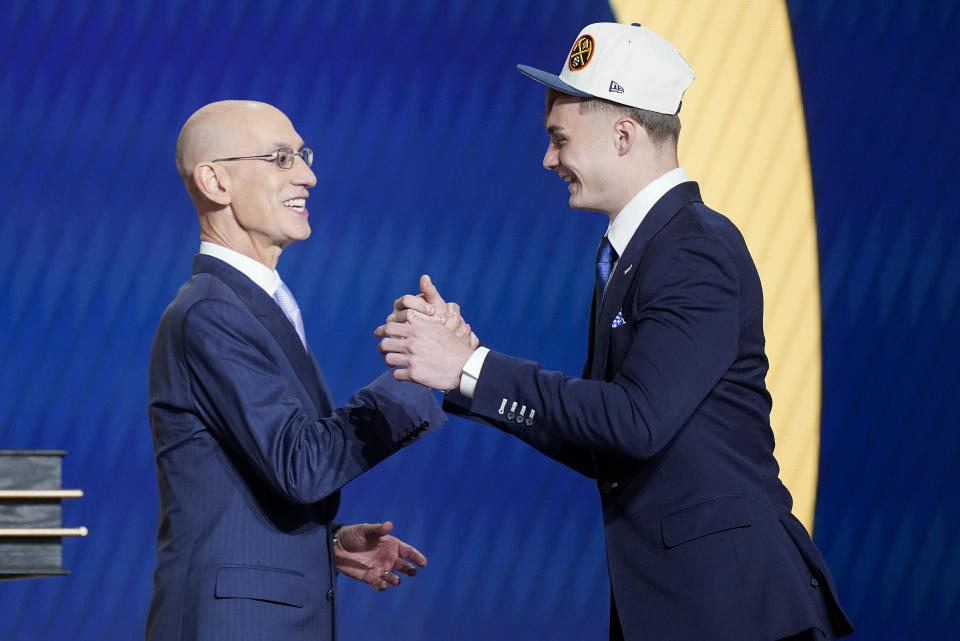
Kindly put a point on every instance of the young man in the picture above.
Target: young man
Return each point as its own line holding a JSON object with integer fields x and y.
{"x": 671, "y": 416}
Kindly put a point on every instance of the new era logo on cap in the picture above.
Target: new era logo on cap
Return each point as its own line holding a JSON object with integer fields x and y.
{"x": 627, "y": 64}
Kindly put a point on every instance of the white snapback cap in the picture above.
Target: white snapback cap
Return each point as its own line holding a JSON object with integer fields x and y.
{"x": 626, "y": 64}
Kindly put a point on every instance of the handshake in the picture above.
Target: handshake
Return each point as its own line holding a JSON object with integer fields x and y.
{"x": 426, "y": 339}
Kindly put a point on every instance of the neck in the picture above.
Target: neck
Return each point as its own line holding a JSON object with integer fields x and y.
{"x": 639, "y": 180}
{"x": 224, "y": 231}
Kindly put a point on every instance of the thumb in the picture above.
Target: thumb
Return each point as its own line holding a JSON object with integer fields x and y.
{"x": 375, "y": 530}
{"x": 430, "y": 293}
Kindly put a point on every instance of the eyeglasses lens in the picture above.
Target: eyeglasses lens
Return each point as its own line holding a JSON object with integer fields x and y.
{"x": 285, "y": 158}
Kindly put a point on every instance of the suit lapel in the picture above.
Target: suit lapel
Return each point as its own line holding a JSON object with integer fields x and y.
{"x": 273, "y": 318}
{"x": 620, "y": 280}
{"x": 591, "y": 334}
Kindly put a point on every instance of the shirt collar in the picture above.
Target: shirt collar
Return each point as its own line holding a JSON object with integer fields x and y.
{"x": 268, "y": 279}
{"x": 625, "y": 224}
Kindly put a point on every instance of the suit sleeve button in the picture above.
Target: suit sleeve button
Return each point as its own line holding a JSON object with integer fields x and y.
{"x": 330, "y": 594}
{"x": 814, "y": 582}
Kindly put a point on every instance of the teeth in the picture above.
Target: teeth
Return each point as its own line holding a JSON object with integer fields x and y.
{"x": 295, "y": 203}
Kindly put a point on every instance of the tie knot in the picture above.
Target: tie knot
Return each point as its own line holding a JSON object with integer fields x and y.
{"x": 606, "y": 256}
{"x": 291, "y": 310}
{"x": 285, "y": 299}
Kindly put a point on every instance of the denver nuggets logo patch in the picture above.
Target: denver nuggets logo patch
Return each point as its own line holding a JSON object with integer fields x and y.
{"x": 581, "y": 54}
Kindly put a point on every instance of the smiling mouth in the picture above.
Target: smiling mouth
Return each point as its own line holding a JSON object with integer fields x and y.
{"x": 298, "y": 205}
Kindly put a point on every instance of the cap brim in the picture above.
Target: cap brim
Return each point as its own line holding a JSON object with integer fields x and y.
{"x": 552, "y": 81}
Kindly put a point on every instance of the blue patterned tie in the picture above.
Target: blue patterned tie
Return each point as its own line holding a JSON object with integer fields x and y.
{"x": 288, "y": 304}
{"x": 606, "y": 256}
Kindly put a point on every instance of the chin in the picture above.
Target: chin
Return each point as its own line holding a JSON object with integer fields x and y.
{"x": 576, "y": 202}
{"x": 301, "y": 233}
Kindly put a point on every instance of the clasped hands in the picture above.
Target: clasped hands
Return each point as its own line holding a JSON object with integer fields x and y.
{"x": 426, "y": 339}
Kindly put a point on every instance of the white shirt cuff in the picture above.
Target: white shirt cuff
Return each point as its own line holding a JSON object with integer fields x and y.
{"x": 471, "y": 371}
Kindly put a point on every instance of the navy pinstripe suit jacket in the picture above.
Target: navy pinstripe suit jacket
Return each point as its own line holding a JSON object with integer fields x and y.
{"x": 250, "y": 458}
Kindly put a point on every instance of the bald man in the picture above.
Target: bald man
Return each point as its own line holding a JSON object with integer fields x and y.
{"x": 250, "y": 451}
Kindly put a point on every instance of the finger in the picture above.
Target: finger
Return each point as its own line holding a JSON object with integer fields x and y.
{"x": 392, "y": 345}
{"x": 430, "y": 293}
{"x": 414, "y": 314}
{"x": 463, "y": 331}
{"x": 401, "y": 330}
{"x": 402, "y": 374}
{"x": 452, "y": 308}
{"x": 393, "y": 359}
{"x": 474, "y": 340}
{"x": 399, "y": 316}
{"x": 419, "y": 303}
{"x": 390, "y": 577}
{"x": 420, "y": 319}
{"x": 375, "y": 530}
{"x": 453, "y": 321}
{"x": 413, "y": 554}
{"x": 401, "y": 566}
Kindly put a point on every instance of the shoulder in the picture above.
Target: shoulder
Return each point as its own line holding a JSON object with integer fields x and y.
{"x": 204, "y": 301}
{"x": 202, "y": 288}
{"x": 697, "y": 226}
{"x": 698, "y": 247}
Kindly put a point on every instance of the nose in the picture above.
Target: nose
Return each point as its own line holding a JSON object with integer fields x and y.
{"x": 551, "y": 159}
{"x": 304, "y": 175}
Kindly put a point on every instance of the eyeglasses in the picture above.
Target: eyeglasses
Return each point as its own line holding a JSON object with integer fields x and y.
{"x": 284, "y": 157}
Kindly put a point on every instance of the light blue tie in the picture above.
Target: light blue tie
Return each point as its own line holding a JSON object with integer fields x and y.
{"x": 606, "y": 256}
{"x": 288, "y": 304}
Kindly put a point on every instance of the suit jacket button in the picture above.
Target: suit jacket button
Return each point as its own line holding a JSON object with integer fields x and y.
{"x": 529, "y": 421}
{"x": 814, "y": 582}
{"x": 330, "y": 594}
{"x": 510, "y": 416}
{"x": 606, "y": 487}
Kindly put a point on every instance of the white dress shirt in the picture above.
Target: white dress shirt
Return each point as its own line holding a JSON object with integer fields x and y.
{"x": 268, "y": 279}
{"x": 624, "y": 225}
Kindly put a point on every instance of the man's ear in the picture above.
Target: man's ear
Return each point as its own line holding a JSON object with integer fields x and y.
{"x": 212, "y": 182}
{"x": 628, "y": 132}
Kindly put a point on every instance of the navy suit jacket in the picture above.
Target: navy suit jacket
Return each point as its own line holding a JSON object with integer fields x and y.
{"x": 672, "y": 419}
{"x": 250, "y": 456}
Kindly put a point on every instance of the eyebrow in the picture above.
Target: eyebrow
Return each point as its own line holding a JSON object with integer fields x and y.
{"x": 553, "y": 130}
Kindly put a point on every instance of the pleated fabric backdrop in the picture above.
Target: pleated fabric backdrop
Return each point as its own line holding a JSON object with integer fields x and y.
{"x": 428, "y": 159}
